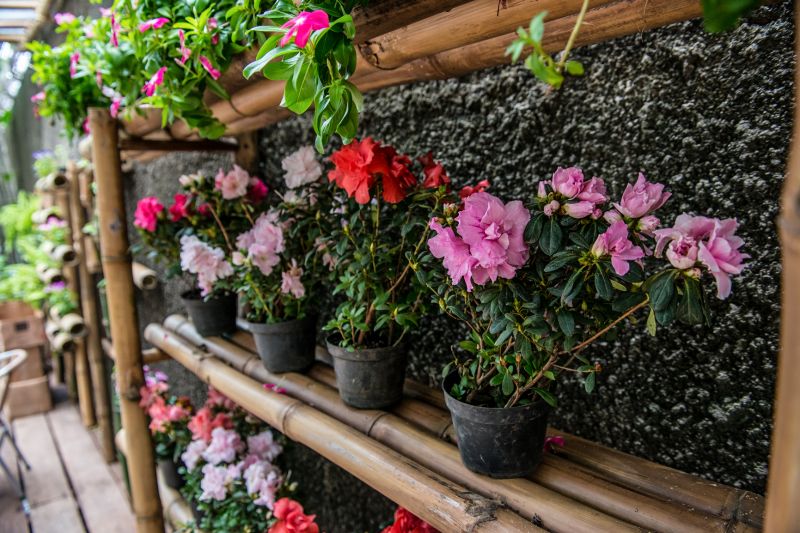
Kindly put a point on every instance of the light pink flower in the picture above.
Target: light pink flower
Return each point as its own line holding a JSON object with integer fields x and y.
{"x": 214, "y": 73}
{"x": 216, "y": 399}
{"x": 614, "y": 242}
{"x": 214, "y": 483}
{"x": 301, "y": 167}
{"x": 116, "y": 103}
{"x": 224, "y": 445}
{"x": 568, "y": 181}
{"x": 232, "y": 184}
{"x": 642, "y": 198}
{"x": 263, "y": 243}
{"x": 593, "y": 191}
{"x": 206, "y": 262}
{"x": 454, "y": 253}
{"x": 648, "y": 224}
{"x": 149, "y": 88}
{"x": 541, "y": 189}
{"x": 115, "y": 28}
{"x": 38, "y": 97}
{"x": 291, "y": 283}
{"x": 73, "y": 64}
{"x": 105, "y": 12}
{"x": 186, "y": 53}
{"x": 98, "y": 78}
{"x": 63, "y": 18}
{"x": 153, "y": 24}
{"x": 263, "y": 446}
{"x": 551, "y": 208}
{"x": 193, "y": 453}
{"x": 262, "y": 479}
{"x": 301, "y": 26}
{"x": 147, "y": 212}
{"x": 580, "y": 209}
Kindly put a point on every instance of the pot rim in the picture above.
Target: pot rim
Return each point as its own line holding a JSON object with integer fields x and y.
{"x": 379, "y": 349}
{"x": 193, "y": 295}
{"x": 310, "y": 318}
{"x": 541, "y": 405}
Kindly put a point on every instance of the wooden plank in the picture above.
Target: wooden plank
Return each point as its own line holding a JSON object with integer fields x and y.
{"x": 104, "y": 507}
{"x": 46, "y": 481}
{"x": 58, "y": 516}
{"x": 12, "y": 519}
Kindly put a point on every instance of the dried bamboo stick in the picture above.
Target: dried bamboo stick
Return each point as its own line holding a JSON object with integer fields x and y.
{"x": 88, "y": 292}
{"x": 122, "y": 311}
{"x": 783, "y": 513}
{"x": 144, "y": 278}
{"x": 90, "y": 255}
{"x": 723, "y": 503}
{"x": 445, "y": 505}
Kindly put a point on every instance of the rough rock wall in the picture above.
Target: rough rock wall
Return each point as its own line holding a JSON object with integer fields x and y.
{"x": 710, "y": 116}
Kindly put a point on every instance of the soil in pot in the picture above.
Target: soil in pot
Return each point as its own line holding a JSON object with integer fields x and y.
{"x": 286, "y": 346}
{"x": 496, "y": 441}
{"x": 169, "y": 469}
{"x": 213, "y": 317}
{"x": 370, "y": 378}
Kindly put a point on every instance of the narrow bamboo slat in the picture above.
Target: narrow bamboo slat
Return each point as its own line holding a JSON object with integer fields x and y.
{"x": 556, "y": 474}
{"x": 123, "y": 317}
{"x": 149, "y": 355}
{"x": 444, "y": 504}
{"x": 783, "y": 511}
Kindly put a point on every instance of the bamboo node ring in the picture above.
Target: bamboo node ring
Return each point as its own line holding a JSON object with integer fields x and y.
{"x": 132, "y": 393}
{"x": 116, "y": 258}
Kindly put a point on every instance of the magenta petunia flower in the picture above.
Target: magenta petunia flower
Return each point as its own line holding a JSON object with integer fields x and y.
{"x": 209, "y": 67}
{"x": 614, "y": 242}
{"x": 301, "y": 27}
{"x": 116, "y": 103}
{"x": 73, "y": 64}
{"x": 153, "y": 24}
{"x": 115, "y": 28}
{"x": 63, "y": 18}
{"x": 38, "y": 97}
{"x": 186, "y": 53}
{"x": 157, "y": 79}
{"x": 642, "y": 198}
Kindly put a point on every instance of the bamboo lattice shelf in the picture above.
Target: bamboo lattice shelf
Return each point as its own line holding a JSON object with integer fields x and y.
{"x": 581, "y": 488}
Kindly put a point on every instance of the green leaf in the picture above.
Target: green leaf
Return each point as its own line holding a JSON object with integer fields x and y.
{"x": 602, "y": 284}
{"x": 574, "y": 68}
{"x": 559, "y": 261}
{"x": 550, "y": 240}
{"x": 546, "y": 396}
{"x": 566, "y": 322}
{"x": 661, "y": 290}
{"x": 536, "y": 27}
{"x": 508, "y": 384}
{"x": 651, "y": 323}
{"x": 690, "y": 305}
{"x": 589, "y": 382}
{"x": 534, "y": 228}
{"x": 723, "y": 15}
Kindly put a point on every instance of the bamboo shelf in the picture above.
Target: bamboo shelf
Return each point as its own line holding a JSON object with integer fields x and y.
{"x": 581, "y": 488}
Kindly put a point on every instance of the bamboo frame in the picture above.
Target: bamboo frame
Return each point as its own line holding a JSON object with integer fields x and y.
{"x": 656, "y": 497}
{"x": 442, "y": 503}
{"x": 783, "y": 512}
{"x": 124, "y": 321}
{"x": 88, "y": 292}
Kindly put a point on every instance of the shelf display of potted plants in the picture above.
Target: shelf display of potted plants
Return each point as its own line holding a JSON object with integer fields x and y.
{"x": 279, "y": 268}
{"x": 380, "y": 231}
{"x": 537, "y": 285}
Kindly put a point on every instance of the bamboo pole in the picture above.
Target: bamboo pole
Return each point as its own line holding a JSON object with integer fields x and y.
{"x": 124, "y": 320}
{"x": 102, "y": 400}
{"x": 144, "y": 278}
{"x": 783, "y": 512}
{"x": 149, "y": 355}
{"x": 556, "y": 474}
{"x": 443, "y": 504}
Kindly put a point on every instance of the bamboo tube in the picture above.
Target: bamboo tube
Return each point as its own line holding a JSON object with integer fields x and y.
{"x": 96, "y": 362}
{"x": 85, "y": 147}
{"x": 149, "y": 356}
{"x": 783, "y": 513}
{"x": 52, "y": 275}
{"x": 144, "y": 278}
{"x": 51, "y": 329}
{"x": 91, "y": 258}
{"x": 66, "y": 255}
{"x": 63, "y": 342}
{"x": 124, "y": 321}
{"x": 40, "y": 216}
{"x": 73, "y": 325}
{"x": 176, "y": 509}
{"x": 380, "y": 17}
{"x": 443, "y": 504}
{"x": 56, "y": 180}
{"x": 85, "y": 188}
{"x": 618, "y": 471}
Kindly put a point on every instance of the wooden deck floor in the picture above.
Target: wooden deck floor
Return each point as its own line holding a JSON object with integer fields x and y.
{"x": 70, "y": 489}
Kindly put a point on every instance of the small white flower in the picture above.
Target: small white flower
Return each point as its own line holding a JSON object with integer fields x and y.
{"x": 302, "y": 167}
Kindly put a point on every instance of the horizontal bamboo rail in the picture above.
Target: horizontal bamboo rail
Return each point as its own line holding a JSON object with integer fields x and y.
{"x": 569, "y": 478}
{"x": 442, "y": 503}
{"x": 149, "y": 355}
{"x": 176, "y": 510}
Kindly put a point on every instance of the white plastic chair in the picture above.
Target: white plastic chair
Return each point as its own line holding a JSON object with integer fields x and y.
{"x": 8, "y": 362}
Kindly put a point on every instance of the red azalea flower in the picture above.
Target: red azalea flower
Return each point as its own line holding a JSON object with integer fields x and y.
{"x": 204, "y": 210}
{"x": 405, "y": 522}
{"x": 400, "y": 179}
{"x": 292, "y": 518}
{"x": 435, "y": 174}
{"x": 257, "y": 191}
{"x": 146, "y": 215}
{"x": 179, "y": 208}
{"x": 469, "y": 190}
{"x": 361, "y": 163}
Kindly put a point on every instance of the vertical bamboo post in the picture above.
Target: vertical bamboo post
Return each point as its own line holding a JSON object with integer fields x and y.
{"x": 247, "y": 154}
{"x": 94, "y": 351}
{"x": 124, "y": 320}
{"x": 783, "y": 491}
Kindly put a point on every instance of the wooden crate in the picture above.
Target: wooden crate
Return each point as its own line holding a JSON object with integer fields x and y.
{"x": 28, "y": 397}
{"x": 21, "y": 326}
{"x": 33, "y": 366}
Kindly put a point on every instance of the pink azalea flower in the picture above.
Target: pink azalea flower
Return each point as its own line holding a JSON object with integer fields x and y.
{"x": 642, "y": 198}
{"x": 454, "y": 252}
{"x": 301, "y": 27}
{"x": 224, "y": 445}
{"x": 261, "y": 479}
{"x": 179, "y": 208}
{"x": 263, "y": 446}
{"x": 217, "y": 399}
{"x": 38, "y": 97}
{"x": 213, "y": 483}
{"x": 290, "y": 281}
{"x": 207, "y": 262}
{"x": 115, "y": 28}
{"x": 153, "y": 24}
{"x": 73, "y": 64}
{"x": 63, "y": 18}
{"x": 214, "y": 73}
{"x": 149, "y": 88}
{"x": 186, "y": 53}
{"x": 593, "y": 191}
{"x": 232, "y": 184}
{"x": 614, "y": 242}
{"x": 263, "y": 243}
{"x": 116, "y": 103}
{"x": 98, "y": 78}
{"x": 193, "y": 453}
{"x": 580, "y": 209}
{"x": 648, "y": 224}
{"x": 301, "y": 167}
{"x": 551, "y": 208}
{"x": 146, "y": 215}
{"x": 568, "y": 181}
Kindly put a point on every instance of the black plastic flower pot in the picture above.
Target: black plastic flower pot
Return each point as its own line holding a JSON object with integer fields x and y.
{"x": 370, "y": 378}
{"x": 169, "y": 469}
{"x": 211, "y": 317}
{"x": 495, "y": 441}
{"x": 286, "y": 346}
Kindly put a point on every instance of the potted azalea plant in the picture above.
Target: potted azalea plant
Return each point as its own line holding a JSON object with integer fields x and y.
{"x": 536, "y": 285}
{"x": 194, "y": 235}
{"x": 279, "y": 268}
{"x": 377, "y": 237}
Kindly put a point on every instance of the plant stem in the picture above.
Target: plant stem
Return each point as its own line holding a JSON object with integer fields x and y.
{"x": 573, "y": 36}
{"x": 221, "y": 227}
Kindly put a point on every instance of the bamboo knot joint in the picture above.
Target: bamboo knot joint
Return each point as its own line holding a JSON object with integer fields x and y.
{"x": 132, "y": 393}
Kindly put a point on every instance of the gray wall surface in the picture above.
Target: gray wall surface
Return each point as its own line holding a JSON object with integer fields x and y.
{"x": 708, "y": 115}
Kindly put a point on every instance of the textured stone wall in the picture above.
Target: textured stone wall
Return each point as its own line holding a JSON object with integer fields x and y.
{"x": 710, "y": 116}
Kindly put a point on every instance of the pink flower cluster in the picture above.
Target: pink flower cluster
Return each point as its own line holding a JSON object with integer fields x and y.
{"x": 489, "y": 243}
{"x": 208, "y": 263}
{"x": 614, "y": 242}
{"x": 204, "y": 422}
{"x": 147, "y": 213}
{"x": 708, "y": 242}
{"x": 291, "y": 283}
{"x": 152, "y": 400}
{"x": 262, "y": 244}
{"x": 577, "y": 197}
{"x": 149, "y": 88}
{"x": 232, "y": 184}
{"x": 224, "y": 446}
